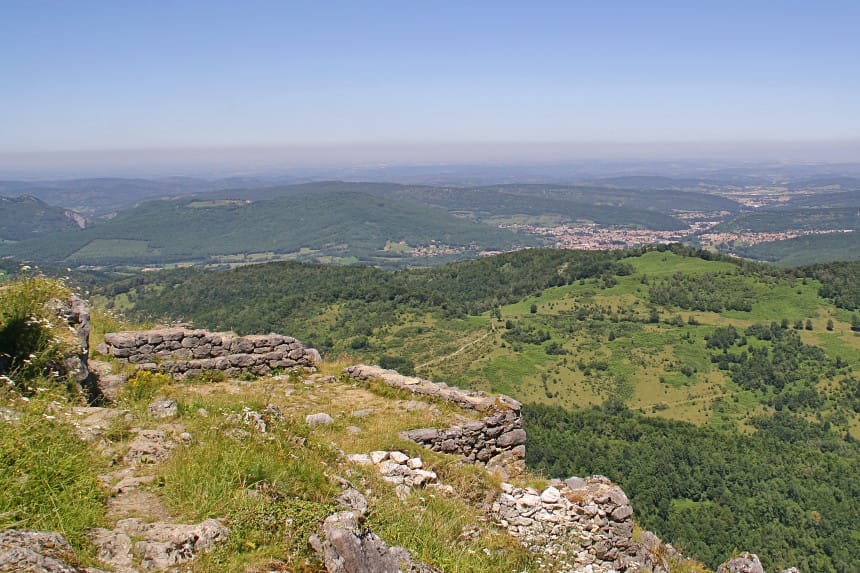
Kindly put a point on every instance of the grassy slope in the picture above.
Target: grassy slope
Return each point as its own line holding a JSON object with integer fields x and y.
{"x": 661, "y": 368}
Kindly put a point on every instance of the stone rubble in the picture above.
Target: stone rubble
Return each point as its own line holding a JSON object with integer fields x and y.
{"x": 188, "y": 352}
{"x": 259, "y": 421}
{"x": 578, "y": 524}
{"x": 397, "y": 468}
{"x": 144, "y": 537}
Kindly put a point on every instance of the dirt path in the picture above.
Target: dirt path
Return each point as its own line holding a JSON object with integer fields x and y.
{"x": 142, "y": 534}
{"x": 456, "y": 352}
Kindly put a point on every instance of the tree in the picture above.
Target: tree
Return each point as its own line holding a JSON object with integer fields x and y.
{"x": 830, "y": 324}
{"x": 808, "y": 324}
{"x": 533, "y": 309}
{"x": 855, "y": 323}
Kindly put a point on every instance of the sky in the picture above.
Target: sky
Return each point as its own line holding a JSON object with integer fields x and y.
{"x": 327, "y": 77}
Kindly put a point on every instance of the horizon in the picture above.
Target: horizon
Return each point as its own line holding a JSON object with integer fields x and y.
{"x": 325, "y": 84}
{"x": 259, "y": 161}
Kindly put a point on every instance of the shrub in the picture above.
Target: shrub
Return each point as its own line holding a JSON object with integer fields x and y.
{"x": 143, "y": 385}
{"x": 32, "y": 342}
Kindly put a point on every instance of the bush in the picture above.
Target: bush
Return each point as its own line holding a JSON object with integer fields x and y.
{"x": 32, "y": 342}
{"x": 143, "y": 385}
{"x": 402, "y": 364}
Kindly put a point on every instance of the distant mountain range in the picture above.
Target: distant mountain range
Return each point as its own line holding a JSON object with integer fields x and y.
{"x": 144, "y": 222}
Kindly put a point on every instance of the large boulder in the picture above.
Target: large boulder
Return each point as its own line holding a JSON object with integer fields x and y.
{"x": 345, "y": 547}
{"x": 743, "y": 563}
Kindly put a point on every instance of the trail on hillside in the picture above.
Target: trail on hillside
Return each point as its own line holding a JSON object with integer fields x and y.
{"x": 458, "y": 351}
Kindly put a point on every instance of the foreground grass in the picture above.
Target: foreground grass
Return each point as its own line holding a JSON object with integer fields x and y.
{"x": 48, "y": 476}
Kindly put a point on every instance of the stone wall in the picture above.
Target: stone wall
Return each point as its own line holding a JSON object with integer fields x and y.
{"x": 582, "y": 523}
{"x": 187, "y": 352}
{"x": 496, "y": 440}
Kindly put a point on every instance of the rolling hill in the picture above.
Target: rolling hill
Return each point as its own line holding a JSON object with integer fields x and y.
{"x": 26, "y": 217}
{"x": 806, "y": 250}
{"x": 777, "y": 220}
{"x": 340, "y": 226}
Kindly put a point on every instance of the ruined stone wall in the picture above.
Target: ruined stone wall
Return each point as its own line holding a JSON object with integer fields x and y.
{"x": 186, "y": 352}
{"x": 582, "y": 522}
{"x": 498, "y": 439}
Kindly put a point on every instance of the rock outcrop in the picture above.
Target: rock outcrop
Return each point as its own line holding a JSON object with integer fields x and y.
{"x": 156, "y": 545}
{"x": 743, "y": 563}
{"x": 345, "y": 547}
{"x": 37, "y": 552}
{"x": 187, "y": 352}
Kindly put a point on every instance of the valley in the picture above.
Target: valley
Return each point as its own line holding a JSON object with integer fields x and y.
{"x": 397, "y": 226}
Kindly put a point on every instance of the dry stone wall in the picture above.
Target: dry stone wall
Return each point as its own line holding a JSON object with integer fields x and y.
{"x": 497, "y": 440}
{"x": 582, "y": 524}
{"x": 186, "y": 352}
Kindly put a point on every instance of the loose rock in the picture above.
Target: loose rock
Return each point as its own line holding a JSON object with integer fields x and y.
{"x": 321, "y": 419}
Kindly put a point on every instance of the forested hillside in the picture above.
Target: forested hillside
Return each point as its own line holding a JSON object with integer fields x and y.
{"x": 791, "y": 488}
{"x": 25, "y": 217}
{"x": 806, "y": 250}
{"x": 776, "y": 220}
{"x": 344, "y": 226}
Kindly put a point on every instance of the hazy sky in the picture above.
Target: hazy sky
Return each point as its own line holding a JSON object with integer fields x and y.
{"x": 92, "y": 75}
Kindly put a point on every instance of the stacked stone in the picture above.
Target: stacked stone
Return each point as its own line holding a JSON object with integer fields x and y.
{"x": 479, "y": 441}
{"x": 397, "y": 468}
{"x": 467, "y": 399}
{"x": 188, "y": 352}
{"x": 579, "y": 525}
{"x": 498, "y": 439}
